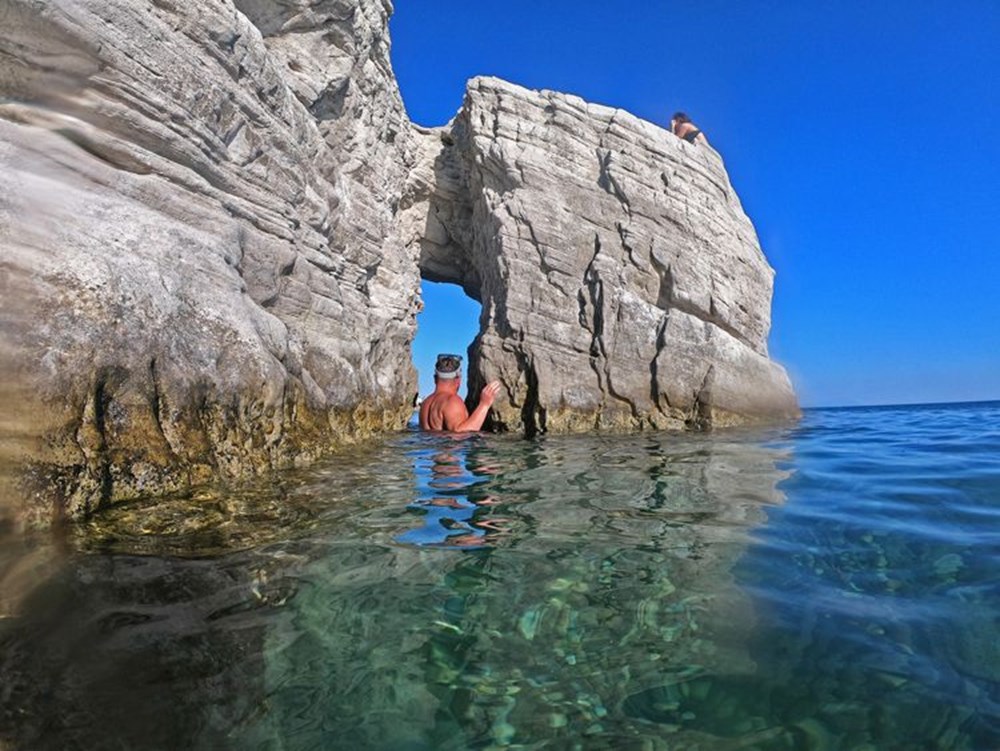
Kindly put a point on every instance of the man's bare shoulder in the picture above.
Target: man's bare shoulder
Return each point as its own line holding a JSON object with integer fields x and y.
{"x": 442, "y": 411}
{"x": 443, "y": 400}
{"x": 453, "y": 411}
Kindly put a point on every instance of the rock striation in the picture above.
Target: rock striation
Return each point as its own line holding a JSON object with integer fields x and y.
{"x": 214, "y": 218}
{"x": 622, "y": 284}
{"x": 200, "y": 276}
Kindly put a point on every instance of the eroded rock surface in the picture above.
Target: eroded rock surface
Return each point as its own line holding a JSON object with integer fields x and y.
{"x": 196, "y": 202}
{"x": 214, "y": 217}
{"x": 622, "y": 283}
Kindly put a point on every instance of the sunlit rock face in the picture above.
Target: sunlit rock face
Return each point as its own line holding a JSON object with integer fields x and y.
{"x": 199, "y": 276}
{"x": 622, "y": 284}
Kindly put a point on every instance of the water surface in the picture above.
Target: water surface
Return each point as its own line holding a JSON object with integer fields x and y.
{"x": 830, "y": 585}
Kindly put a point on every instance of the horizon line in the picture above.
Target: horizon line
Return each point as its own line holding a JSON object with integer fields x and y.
{"x": 906, "y": 404}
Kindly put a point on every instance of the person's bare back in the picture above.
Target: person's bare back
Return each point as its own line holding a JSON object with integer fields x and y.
{"x": 444, "y": 409}
{"x": 434, "y": 409}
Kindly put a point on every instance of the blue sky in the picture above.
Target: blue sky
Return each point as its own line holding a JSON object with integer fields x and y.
{"x": 862, "y": 137}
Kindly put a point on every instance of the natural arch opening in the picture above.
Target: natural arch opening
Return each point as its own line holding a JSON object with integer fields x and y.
{"x": 449, "y": 322}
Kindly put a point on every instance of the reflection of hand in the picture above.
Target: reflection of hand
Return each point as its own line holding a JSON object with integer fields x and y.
{"x": 489, "y": 393}
{"x": 466, "y": 541}
{"x": 494, "y": 524}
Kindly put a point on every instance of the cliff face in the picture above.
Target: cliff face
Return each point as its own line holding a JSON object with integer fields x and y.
{"x": 214, "y": 218}
{"x": 622, "y": 284}
{"x": 199, "y": 272}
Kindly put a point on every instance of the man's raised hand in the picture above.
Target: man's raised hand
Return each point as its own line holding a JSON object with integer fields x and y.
{"x": 489, "y": 393}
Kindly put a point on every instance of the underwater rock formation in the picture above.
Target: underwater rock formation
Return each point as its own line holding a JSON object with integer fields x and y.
{"x": 622, "y": 284}
{"x": 214, "y": 219}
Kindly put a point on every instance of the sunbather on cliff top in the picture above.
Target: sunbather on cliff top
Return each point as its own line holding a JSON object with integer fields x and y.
{"x": 682, "y": 127}
{"x": 444, "y": 409}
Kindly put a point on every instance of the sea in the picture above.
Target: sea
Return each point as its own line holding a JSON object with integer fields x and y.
{"x": 828, "y": 584}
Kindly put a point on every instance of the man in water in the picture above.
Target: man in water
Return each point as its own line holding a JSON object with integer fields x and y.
{"x": 444, "y": 409}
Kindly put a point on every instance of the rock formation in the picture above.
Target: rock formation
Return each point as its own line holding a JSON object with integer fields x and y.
{"x": 622, "y": 284}
{"x": 200, "y": 276}
{"x": 214, "y": 218}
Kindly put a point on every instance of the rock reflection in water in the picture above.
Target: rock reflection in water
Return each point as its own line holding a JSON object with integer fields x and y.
{"x": 131, "y": 652}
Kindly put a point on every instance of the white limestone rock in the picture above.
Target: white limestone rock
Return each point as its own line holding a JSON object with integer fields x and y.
{"x": 621, "y": 281}
{"x": 199, "y": 272}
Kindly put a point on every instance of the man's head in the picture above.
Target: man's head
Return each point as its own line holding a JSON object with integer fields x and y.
{"x": 448, "y": 368}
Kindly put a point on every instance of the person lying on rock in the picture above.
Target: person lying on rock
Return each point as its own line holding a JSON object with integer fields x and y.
{"x": 682, "y": 127}
{"x": 444, "y": 409}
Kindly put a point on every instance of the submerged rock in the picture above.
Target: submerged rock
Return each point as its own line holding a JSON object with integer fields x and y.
{"x": 215, "y": 216}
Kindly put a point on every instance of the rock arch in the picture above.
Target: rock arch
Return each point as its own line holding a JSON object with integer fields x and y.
{"x": 215, "y": 217}
{"x": 622, "y": 284}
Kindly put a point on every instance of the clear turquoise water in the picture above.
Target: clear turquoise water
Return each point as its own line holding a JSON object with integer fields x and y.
{"x": 830, "y": 585}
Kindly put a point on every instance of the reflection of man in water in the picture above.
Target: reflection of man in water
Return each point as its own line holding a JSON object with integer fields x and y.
{"x": 444, "y": 409}
{"x": 455, "y": 511}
